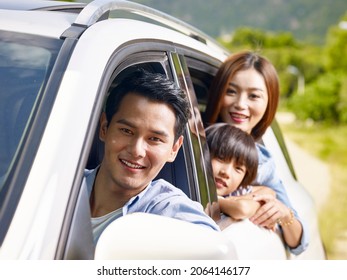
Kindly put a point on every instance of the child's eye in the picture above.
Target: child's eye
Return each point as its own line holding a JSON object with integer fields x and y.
{"x": 240, "y": 169}
{"x": 220, "y": 159}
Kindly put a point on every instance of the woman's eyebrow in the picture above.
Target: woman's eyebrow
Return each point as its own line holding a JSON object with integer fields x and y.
{"x": 249, "y": 88}
{"x": 233, "y": 85}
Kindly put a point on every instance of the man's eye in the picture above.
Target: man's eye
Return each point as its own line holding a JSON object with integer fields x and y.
{"x": 155, "y": 139}
{"x": 125, "y": 130}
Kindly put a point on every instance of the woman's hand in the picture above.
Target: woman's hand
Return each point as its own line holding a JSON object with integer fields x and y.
{"x": 271, "y": 211}
{"x": 274, "y": 212}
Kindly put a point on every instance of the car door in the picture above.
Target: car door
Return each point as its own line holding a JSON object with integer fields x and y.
{"x": 188, "y": 172}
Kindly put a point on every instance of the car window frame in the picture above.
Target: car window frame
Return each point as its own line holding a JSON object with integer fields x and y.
{"x": 126, "y": 56}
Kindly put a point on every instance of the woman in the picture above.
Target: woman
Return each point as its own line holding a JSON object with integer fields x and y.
{"x": 245, "y": 93}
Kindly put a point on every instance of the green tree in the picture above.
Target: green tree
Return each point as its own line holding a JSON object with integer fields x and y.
{"x": 336, "y": 46}
{"x": 342, "y": 106}
{"x": 321, "y": 100}
{"x": 260, "y": 39}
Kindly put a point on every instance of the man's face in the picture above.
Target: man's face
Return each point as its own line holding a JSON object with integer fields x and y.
{"x": 138, "y": 142}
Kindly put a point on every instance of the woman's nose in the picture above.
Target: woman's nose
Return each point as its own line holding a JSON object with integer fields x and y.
{"x": 241, "y": 102}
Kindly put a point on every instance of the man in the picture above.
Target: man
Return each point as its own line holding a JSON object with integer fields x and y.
{"x": 142, "y": 127}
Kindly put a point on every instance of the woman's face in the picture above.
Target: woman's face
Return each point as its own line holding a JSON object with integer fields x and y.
{"x": 245, "y": 100}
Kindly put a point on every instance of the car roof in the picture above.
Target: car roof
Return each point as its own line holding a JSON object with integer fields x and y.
{"x": 39, "y": 4}
{"x": 32, "y": 17}
{"x": 42, "y": 23}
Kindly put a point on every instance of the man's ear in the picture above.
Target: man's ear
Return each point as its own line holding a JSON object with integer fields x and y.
{"x": 175, "y": 148}
{"x": 103, "y": 127}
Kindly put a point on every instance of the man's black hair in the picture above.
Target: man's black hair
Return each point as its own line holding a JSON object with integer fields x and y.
{"x": 156, "y": 87}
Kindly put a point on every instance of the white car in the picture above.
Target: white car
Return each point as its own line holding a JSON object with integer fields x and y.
{"x": 57, "y": 62}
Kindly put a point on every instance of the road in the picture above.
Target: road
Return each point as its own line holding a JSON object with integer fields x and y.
{"x": 315, "y": 175}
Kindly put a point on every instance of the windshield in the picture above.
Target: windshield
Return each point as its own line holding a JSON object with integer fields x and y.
{"x": 25, "y": 65}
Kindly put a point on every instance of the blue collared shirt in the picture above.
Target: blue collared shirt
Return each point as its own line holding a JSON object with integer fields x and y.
{"x": 161, "y": 198}
{"x": 267, "y": 176}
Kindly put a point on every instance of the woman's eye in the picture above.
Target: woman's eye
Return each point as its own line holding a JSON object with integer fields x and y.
{"x": 254, "y": 96}
{"x": 231, "y": 91}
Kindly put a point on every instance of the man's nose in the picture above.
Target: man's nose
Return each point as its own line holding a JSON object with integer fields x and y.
{"x": 137, "y": 147}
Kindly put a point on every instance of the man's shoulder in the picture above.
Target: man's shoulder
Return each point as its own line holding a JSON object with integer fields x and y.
{"x": 161, "y": 191}
{"x": 163, "y": 186}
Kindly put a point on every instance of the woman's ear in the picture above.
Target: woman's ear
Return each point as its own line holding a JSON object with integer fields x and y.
{"x": 103, "y": 127}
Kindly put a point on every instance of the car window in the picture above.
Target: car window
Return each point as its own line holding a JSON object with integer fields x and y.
{"x": 180, "y": 172}
{"x": 201, "y": 74}
{"x": 280, "y": 139}
{"x": 175, "y": 172}
{"x": 22, "y": 81}
{"x": 204, "y": 183}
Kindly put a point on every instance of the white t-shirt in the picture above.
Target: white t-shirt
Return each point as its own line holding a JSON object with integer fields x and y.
{"x": 98, "y": 223}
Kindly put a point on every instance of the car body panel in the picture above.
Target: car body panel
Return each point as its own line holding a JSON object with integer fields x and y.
{"x": 40, "y": 5}
{"x": 299, "y": 197}
{"x": 51, "y": 24}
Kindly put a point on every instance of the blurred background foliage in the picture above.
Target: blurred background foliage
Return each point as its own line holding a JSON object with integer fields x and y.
{"x": 313, "y": 77}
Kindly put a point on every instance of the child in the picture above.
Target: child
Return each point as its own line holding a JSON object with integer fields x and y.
{"x": 234, "y": 160}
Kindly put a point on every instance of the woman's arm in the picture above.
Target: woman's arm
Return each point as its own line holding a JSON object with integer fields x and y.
{"x": 263, "y": 190}
{"x": 295, "y": 235}
{"x": 273, "y": 211}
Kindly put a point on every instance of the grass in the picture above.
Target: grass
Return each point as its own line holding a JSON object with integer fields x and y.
{"x": 329, "y": 144}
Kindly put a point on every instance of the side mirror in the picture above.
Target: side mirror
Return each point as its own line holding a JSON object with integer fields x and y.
{"x": 147, "y": 236}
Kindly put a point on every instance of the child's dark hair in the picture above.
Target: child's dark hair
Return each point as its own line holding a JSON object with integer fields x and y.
{"x": 227, "y": 142}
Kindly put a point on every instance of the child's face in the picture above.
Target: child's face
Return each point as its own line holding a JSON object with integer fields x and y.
{"x": 227, "y": 175}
